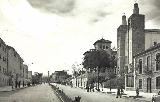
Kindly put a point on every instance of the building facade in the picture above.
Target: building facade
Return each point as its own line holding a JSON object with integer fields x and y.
{"x": 4, "y": 79}
{"x": 133, "y": 38}
{"x": 147, "y": 69}
{"x": 15, "y": 66}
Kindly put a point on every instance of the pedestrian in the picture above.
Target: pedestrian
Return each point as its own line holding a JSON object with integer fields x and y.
{"x": 12, "y": 82}
{"x": 122, "y": 90}
{"x": 118, "y": 93}
{"x": 19, "y": 84}
{"x": 90, "y": 87}
{"x": 16, "y": 84}
{"x": 137, "y": 92}
{"x": 87, "y": 87}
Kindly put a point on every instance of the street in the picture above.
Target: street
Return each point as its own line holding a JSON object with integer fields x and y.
{"x": 39, "y": 93}
{"x": 44, "y": 93}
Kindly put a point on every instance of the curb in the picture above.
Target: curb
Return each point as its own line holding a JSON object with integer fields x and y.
{"x": 62, "y": 96}
{"x": 59, "y": 96}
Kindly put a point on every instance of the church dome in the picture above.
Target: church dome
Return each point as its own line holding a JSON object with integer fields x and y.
{"x": 102, "y": 41}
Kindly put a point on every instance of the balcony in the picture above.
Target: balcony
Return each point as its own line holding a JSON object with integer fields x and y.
{"x": 148, "y": 72}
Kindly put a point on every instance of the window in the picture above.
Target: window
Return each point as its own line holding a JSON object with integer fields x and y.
{"x": 158, "y": 61}
{"x": 3, "y": 48}
{"x": 3, "y": 70}
{"x": 14, "y": 54}
{"x": 140, "y": 66}
{"x": 158, "y": 82}
{"x": 130, "y": 81}
{"x": 106, "y": 47}
{"x": 140, "y": 83}
{"x": 103, "y": 47}
{"x": 4, "y": 59}
{"x": 0, "y": 69}
{"x": 148, "y": 63}
{"x": 100, "y": 46}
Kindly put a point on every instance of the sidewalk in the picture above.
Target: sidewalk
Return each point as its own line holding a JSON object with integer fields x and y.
{"x": 6, "y": 89}
{"x": 9, "y": 88}
{"x": 128, "y": 95}
{"x": 131, "y": 94}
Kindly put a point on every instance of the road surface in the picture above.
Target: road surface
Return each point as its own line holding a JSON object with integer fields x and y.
{"x": 39, "y": 93}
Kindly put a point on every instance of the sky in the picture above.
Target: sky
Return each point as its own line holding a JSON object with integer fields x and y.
{"x": 52, "y": 35}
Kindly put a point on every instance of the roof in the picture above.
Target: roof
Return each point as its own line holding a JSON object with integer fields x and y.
{"x": 1, "y": 40}
{"x": 156, "y": 46}
{"x": 102, "y": 41}
{"x": 152, "y": 30}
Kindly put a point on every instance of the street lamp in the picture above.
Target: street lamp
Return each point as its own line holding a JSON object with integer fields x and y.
{"x": 98, "y": 78}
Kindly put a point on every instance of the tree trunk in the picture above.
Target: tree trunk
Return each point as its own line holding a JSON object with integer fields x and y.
{"x": 110, "y": 84}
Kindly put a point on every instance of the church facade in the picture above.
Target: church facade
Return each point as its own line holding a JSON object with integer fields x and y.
{"x": 132, "y": 39}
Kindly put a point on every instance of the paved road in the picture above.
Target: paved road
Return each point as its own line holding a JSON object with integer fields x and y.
{"x": 39, "y": 93}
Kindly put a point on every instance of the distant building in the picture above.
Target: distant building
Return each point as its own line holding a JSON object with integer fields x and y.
{"x": 80, "y": 81}
{"x": 133, "y": 38}
{"x": 103, "y": 44}
{"x": 30, "y": 76}
{"x": 37, "y": 78}
{"x": 25, "y": 74}
{"x": 59, "y": 77}
{"x": 4, "y": 79}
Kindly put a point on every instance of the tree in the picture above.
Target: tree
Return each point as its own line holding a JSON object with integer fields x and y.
{"x": 97, "y": 60}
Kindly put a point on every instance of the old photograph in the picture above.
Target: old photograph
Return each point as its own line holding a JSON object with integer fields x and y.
{"x": 79, "y": 51}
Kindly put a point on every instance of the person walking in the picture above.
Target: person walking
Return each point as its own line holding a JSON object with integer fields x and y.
{"x": 137, "y": 92}
{"x": 19, "y": 84}
{"x": 118, "y": 92}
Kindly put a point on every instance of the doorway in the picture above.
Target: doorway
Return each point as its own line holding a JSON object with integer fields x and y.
{"x": 149, "y": 85}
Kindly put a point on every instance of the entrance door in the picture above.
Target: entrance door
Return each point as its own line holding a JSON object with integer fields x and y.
{"x": 149, "y": 85}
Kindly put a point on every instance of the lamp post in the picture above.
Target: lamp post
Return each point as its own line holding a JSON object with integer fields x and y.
{"x": 98, "y": 78}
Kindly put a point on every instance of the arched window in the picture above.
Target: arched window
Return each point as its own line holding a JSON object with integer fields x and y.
{"x": 158, "y": 61}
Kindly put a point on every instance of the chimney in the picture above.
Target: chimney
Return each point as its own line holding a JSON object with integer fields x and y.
{"x": 124, "y": 22}
{"x": 136, "y": 9}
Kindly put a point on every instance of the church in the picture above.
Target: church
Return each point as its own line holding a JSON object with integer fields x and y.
{"x": 134, "y": 45}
